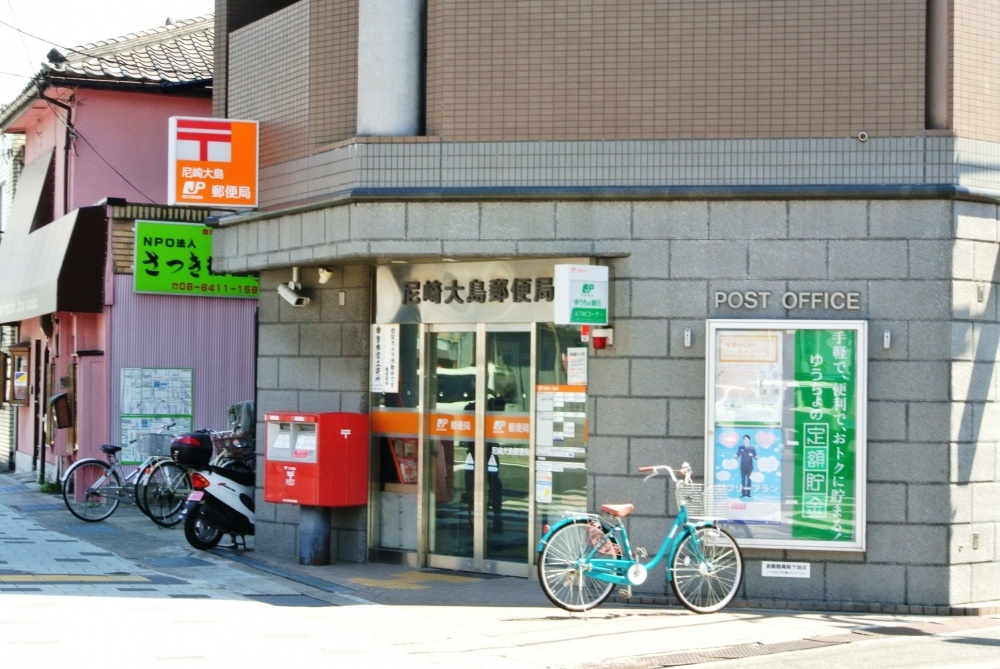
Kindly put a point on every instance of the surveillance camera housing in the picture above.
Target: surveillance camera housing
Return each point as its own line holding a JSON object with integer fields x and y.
{"x": 292, "y": 297}
{"x": 324, "y": 275}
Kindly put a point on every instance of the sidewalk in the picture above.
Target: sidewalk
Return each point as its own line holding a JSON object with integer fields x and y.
{"x": 507, "y": 621}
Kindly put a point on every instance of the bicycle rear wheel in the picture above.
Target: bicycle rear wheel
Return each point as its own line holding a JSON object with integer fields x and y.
{"x": 706, "y": 570}
{"x": 164, "y": 491}
{"x": 563, "y": 571}
{"x": 91, "y": 490}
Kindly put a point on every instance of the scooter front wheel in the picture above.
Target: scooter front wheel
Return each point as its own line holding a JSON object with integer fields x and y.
{"x": 199, "y": 532}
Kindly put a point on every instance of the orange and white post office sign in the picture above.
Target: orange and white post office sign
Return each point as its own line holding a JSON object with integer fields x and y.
{"x": 213, "y": 162}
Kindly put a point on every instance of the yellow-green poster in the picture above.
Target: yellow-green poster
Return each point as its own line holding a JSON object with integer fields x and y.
{"x": 825, "y": 427}
{"x": 176, "y": 259}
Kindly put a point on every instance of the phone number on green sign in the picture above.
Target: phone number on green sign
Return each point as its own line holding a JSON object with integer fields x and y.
{"x": 213, "y": 288}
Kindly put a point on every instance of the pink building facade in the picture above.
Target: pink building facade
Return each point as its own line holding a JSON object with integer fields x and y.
{"x": 95, "y": 162}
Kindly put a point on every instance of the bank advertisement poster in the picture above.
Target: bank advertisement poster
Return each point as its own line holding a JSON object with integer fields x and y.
{"x": 748, "y": 468}
{"x": 786, "y": 433}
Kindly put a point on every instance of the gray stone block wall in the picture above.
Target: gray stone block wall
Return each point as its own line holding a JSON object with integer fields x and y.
{"x": 899, "y": 256}
{"x": 313, "y": 359}
{"x": 925, "y": 271}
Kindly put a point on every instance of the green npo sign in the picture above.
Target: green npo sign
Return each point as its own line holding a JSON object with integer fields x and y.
{"x": 176, "y": 259}
{"x": 581, "y": 294}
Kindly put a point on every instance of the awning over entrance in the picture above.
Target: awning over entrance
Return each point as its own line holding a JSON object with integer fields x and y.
{"x": 50, "y": 266}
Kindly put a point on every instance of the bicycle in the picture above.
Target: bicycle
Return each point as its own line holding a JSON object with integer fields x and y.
{"x": 583, "y": 557}
{"x": 164, "y": 488}
{"x": 161, "y": 491}
{"x": 93, "y": 488}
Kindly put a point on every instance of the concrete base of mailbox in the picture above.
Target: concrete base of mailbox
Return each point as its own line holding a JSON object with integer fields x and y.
{"x": 314, "y": 535}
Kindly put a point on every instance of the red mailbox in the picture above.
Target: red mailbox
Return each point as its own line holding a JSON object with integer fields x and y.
{"x": 316, "y": 459}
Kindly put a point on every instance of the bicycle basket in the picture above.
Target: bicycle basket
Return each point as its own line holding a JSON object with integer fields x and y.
{"x": 222, "y": 442}
{"x": 231, "y": 444}
{"x": 154, "y": 444}
{"x": 703, "y": 501}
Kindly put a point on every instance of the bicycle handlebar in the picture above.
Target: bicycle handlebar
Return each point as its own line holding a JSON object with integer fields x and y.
{"x": 659, "y": 470}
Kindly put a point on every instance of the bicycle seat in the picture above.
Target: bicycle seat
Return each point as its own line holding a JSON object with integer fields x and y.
{"x": 110, "y": 448}
{"x": 620, "y": 510}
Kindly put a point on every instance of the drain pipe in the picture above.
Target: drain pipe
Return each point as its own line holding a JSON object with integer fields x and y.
{"x": 938, "y": 61}
{"x": 70, "y": 134}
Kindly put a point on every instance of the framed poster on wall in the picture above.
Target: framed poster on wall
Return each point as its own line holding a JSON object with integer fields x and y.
{"x": 153, "y": 399}
{"x": 786, "y": 438}
{"x": 19, "y": 365}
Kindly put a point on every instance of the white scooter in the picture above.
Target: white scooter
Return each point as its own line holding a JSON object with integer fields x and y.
{"x": 222, "y": 498}
{"x": 221, "y": 502}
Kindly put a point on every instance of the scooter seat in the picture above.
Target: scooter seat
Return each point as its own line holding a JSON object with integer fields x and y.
{"x": 238, "y": 476}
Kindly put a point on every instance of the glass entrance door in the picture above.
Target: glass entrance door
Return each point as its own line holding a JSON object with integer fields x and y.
{"x": 450, "y": 442}
{"x": 477, "y": 434}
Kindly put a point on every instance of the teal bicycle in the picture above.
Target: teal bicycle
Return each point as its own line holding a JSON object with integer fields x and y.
{"x": 583, "y": 557}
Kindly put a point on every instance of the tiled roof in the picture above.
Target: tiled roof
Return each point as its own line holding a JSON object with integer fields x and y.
{"x": 177, "y": 53}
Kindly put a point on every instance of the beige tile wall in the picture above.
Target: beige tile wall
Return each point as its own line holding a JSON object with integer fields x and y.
{"x": 606, "y": 69}
{"x": 976, "y": 69}
{"x": 232, "y": 15}
{"x": 333, "y": 74}
{"x": 295, "y": 71}
{"x": 526, "y": 70}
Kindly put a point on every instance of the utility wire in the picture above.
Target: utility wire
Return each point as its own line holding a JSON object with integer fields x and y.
{"x": 76, "y": 133}
{"x": 46, "y": 41}
{"x": 18, "y": 29}
{"x": 14, "y": 74}
{"x": 73, "y": 131}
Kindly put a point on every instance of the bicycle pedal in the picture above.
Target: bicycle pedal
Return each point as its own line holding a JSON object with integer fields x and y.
{"x": 640, "y": 552}
{"x": 626, "y": 593}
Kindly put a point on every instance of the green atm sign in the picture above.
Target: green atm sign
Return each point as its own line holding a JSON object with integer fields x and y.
{"x": 176, "y": 259}
{"x": 587, "y": 307}
{"x": 581, "y": 295}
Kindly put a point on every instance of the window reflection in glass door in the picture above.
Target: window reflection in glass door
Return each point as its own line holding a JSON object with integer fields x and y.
{"x": 450, "y": 438}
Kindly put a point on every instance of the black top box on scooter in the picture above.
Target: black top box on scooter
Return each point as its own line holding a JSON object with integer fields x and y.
{"x": 192, "y": 449}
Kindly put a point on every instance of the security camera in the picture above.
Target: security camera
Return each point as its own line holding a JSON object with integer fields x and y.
{"x": 324, "y": 274}
{"x": 289, "y": 295}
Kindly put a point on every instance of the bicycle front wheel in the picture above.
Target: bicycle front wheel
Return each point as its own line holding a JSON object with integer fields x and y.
{"x": 563, "y": 569}
{"x": 91, "y": 490}
{"x": 706, "y": 570}
{"x": 142, "y": 476}
{"x": 164, "y": 492}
